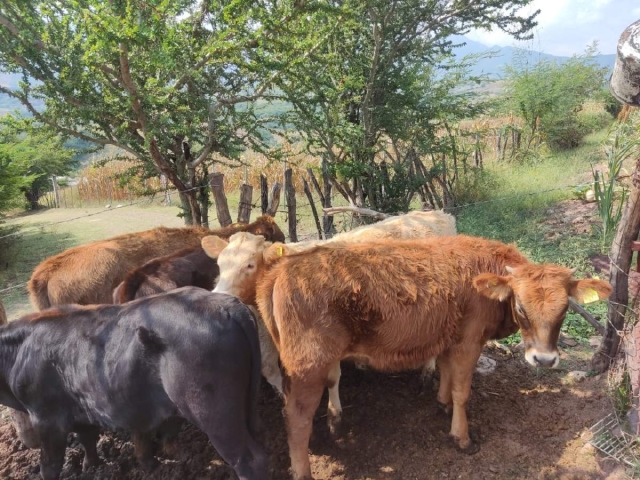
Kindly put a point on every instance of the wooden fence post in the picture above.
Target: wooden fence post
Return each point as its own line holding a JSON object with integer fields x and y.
{"x": 222, "y": 207}
{"x": 56, "y": 193}
{"x": 290, "y": 195}
{"x": 307, "y": 192}
{"x": 274, "y": 202}
{"x": 327, "y": 220}
{"x": 244, "y": 207}
{"x": 264, "y": 194}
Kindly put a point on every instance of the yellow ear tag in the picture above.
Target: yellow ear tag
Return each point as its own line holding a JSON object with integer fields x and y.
{"x": 280, "y": 251}
{"x": 590, "y": 296}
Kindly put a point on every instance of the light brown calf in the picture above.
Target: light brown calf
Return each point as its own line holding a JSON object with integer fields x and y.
{"x": 88, "y": 274}
{"x": 416, "y": 224}
{"x": 396, "y": 304}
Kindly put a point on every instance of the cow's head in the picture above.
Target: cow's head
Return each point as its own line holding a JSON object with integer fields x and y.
{"x": 539, "y": 298}
{"x": 240, "y": 260}
{"x": 267, "y": 227}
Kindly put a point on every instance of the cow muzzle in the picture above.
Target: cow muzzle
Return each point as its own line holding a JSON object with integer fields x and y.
{"x": 542, "y": 359}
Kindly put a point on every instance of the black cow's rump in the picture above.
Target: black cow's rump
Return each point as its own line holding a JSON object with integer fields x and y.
{"x": 188, "y": 353}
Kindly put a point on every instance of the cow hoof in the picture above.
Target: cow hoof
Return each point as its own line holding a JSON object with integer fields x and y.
{"x": 335, "y": 425}
{"x": 447, "y": 408}
{"x": 171, "y": 450}
{"x": 469, "y": 447}
{"x": 90, "y": 463}
{"x": 149, "y": 464}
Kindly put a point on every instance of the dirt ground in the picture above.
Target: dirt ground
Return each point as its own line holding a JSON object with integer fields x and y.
{"x": 531, "y": 425}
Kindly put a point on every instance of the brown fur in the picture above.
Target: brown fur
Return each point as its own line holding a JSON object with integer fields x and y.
{"x": 88, "y": 274}
{"x": 3, "y": 314}
{"x": 396, "y": 304}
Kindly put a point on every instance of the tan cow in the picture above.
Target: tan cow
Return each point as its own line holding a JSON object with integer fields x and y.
{"x": 416, "y": 224}
{"x": 396, "y": 304}
{"x": 88, "y": 274}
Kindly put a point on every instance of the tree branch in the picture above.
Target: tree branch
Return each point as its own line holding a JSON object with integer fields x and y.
{"x": 358, "y": 210}
{"x": 37, "y": 115}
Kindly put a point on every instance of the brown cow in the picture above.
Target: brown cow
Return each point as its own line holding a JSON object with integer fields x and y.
{"x": 88, "y": 274}
{"x": 396, "y": 304}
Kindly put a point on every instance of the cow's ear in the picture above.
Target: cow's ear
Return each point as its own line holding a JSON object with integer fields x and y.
{"x": 589, "y": 290}
{"x": 213, "y": 245}
{"x": 493, "y": 286}
{"x": 274, "y": 252}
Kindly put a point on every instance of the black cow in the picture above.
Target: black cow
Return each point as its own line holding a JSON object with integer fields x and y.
{"x": 187, "y": 353}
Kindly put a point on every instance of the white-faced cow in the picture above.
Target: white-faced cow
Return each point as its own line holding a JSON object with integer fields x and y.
{"x": 188, "y": 353}
{"x": 396, "y": 304}
{"x": 415, "y": 224}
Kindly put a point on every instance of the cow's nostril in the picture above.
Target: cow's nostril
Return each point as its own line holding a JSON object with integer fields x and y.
{"x": 544, "y": 361}
{"x": 535, "y": 359}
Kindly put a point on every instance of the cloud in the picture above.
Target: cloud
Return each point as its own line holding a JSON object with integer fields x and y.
{"x": 566, "y": 27}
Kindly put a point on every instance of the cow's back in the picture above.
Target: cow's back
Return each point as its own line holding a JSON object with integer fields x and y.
{"x": 87, "y": 274}
{"x": 189, "y": 267}
{"x": 118, "y": 362}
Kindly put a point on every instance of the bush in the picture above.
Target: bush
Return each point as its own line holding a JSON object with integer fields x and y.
{"x": 476, "y": 185}
{"x": 595, "y": 121}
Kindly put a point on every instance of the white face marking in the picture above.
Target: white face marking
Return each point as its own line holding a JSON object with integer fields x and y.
{"x": 239, "y": 263}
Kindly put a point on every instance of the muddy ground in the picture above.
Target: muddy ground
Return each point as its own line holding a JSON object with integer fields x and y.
{"x": 531, "y": 425}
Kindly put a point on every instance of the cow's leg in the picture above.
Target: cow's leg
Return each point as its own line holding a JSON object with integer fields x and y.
{"x": 334, "y": 410}
{"x": 143, "y": 447}
{"x": 53, "y": 443}
{"x": 169, "y": 431}
{"x": 222, "y": 413}
{"x": 444, "y": 391}
{"x": 301, "y": 403}
{"x": 462, "y": 365}
{"x": 25, "y": 431}
{"x": 426, "y": 376}
{"x": 88, "y": 438}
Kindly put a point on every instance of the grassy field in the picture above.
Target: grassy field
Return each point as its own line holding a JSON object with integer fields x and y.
{"x": 520, "y": 209}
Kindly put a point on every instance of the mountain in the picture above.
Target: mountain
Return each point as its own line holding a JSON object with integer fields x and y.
{"x": 503, "y": 56}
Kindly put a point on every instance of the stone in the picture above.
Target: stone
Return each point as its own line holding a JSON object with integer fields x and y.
{"x": 567, "y": 341}
{"x": 577, "y": 375}
{"x": 485, "y": 365}
{"x": 595, "y": 341}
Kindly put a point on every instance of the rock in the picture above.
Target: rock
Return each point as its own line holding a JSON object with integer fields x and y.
{"x": 577, "y": 375}
{"x": 567, "y": 341}
{"x": 485, "y": 365}
{"x": 493, "y": 469}
{"x": 588, "y": 449}
{"x": 590, "y": 196}
{"x": 595, "y": 341}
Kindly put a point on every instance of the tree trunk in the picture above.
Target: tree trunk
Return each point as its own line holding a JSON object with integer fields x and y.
{"x": 621, "y": 255}
{"x": 32, "y": 196}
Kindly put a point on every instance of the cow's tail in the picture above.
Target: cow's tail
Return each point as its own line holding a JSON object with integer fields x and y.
{"x": 39, "y": 292}
{"x": 251, "y": 332}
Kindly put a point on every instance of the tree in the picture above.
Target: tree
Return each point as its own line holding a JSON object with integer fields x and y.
{"x": 368, "y": 94}
{"x": 548, "y": 95}
{"x": 35, "y": 153}
{"x": 163, "y": 81}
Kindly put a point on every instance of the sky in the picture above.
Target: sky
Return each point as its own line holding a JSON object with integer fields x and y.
{"x": 566, "y": 27}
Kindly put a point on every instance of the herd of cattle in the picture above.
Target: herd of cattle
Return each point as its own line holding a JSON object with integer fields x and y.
{"x": 129, "y": 335}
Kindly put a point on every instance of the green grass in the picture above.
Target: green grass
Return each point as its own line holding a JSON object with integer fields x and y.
{"x": 519, "y": 217}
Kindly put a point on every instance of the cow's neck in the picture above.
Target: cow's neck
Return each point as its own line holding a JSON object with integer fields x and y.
{"x": 11, "y": 338}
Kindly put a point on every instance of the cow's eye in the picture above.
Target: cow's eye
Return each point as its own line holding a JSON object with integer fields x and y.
{"x": 519, "y": 310}
{"x": 251, "y": 266}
